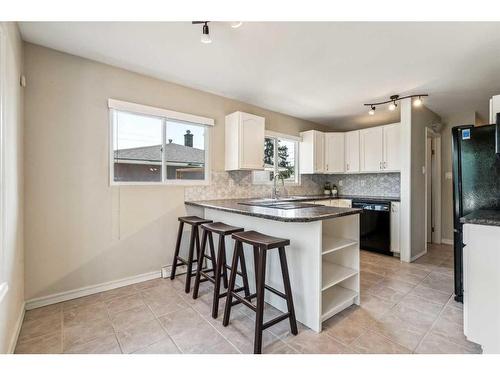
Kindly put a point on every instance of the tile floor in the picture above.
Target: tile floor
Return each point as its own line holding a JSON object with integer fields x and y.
{"x": 405, "y": 308}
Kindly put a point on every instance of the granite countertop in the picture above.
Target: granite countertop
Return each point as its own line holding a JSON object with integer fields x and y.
{"x": 482, "y": 217}
{"x": 319, "y": 197}
{"x": 306, "y": 214}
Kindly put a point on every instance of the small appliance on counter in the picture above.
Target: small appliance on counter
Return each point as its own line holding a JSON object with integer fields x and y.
{"x": 330, "y": 189}
{"x": 476, "y": 181}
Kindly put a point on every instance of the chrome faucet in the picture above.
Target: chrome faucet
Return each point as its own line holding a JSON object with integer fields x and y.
{"x": 275, "y": 191}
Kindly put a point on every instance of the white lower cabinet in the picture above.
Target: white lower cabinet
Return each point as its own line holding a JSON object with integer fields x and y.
{"x": 346, "y": 203}
{"x": 481, "y": 282}
{"x": 395, "y": 227}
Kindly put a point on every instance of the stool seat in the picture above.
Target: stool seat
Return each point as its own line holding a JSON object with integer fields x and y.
{"x": 221, "y": 228}
{"x": 254, "y": 238}
{"x": 194, "y": 220}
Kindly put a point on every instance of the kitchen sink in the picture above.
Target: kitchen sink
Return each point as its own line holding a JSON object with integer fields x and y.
{"x": 275, "y": 203}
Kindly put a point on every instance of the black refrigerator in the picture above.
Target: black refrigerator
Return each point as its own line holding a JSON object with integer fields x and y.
{"x": 476, "y": 181}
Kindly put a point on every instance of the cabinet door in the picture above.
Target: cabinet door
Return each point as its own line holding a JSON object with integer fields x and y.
{"x": 395, "y": 227}
{"x": 392, "y": 149}
{"x": 334, "y": 152}
{"x": 371, "y": 149}
{"x": 352, "y": 151}
{"x": 319, "y": 152}
{"x": 251, "y": 141}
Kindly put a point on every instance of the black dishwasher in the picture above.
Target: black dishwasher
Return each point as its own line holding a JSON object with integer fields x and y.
{"x": 375, "y": 226}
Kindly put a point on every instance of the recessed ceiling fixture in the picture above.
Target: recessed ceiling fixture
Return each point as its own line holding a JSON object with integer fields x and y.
{"x": 393, "y": 102}
{"x": 205, "y": 32}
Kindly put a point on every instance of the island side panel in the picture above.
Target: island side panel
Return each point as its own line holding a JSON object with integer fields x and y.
{"x": 303, "y": 258}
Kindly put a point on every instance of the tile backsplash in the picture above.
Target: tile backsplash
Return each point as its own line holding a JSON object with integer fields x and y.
{"x": 238, "y": 184}
{"x": 373, "y": 184}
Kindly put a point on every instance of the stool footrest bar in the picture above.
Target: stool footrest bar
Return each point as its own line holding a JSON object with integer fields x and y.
{"x": 275, "y": 291}
{"x": 275, "y": 320}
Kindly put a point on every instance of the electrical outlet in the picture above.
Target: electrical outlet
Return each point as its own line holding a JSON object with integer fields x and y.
{"x": 448, "y": 175}
{"x": 341, "y": 183}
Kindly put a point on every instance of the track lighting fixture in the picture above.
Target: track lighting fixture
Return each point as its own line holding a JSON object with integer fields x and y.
{"x": 393, "y": 100}
{"x": 205, "y": 32}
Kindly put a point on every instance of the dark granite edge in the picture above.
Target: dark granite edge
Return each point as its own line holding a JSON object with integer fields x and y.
{"x": 482, "y": 217}
{"x": 343, "y": 212}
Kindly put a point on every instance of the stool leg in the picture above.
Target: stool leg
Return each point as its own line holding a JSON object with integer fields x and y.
{"x": 288, "y": 290}
{"x": 200, "y": 264}
{"x": 261, "y": 282}
{"x": 255, "y": 263}
{"x": 177, "y": 248}
{"x": 212, "y": 252}
{"x": 194, "y": 232}
{"x": 230, "y": 288}
{"x": 218, "y": 275}
{"x": 224, "y": 268}
{"x": 246, "y": 288}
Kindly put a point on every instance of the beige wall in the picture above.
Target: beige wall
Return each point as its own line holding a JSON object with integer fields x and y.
{"x": 421, "y": 117}
{"x": 463, "y": 118}
{"x": 12, "y": 305}
{"x": 79, "y": 230}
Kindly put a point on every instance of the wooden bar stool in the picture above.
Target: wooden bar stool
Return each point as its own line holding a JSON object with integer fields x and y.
{"x": 195, "y": 222}
{"x": 261, "y": 244}
{"x": 219, "y": 265}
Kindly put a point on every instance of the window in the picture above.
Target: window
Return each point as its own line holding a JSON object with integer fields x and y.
{"x": 280, "y": 158}
{"x": 155, "y": 146}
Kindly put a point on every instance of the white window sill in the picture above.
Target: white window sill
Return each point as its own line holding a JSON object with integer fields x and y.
{"x": 170, "y": 183}
{"x": 4, "y": 287}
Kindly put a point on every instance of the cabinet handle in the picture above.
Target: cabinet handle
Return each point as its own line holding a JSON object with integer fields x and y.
{"x": 347, "y": 166}
{"x": 380, "y": 166}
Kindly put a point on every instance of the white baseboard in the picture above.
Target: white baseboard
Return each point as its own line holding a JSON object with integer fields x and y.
{"x": 415, "y": 257}
{"x": 15, "y": 335}
{"x": 92, "y": 289}
{"x": 446, "y": 241}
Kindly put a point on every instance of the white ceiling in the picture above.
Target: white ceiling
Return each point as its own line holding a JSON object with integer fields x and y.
{"x": 322, "y": 72}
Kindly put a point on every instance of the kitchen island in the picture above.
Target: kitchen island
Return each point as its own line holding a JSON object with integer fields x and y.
{"x": 323, "y": 255}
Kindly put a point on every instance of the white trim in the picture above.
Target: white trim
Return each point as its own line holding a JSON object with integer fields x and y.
{"x": 4, "y": 288}
{"x": 160, "y": 112}
{"x": 270, "y": 133}
{"x": 434, "y": 171}
{"x": 3, "y": 78}
{"x": 15, "y": 335}
{"x": 415, "y": 257}
{"x": 446, "y": 241}
{"x": 88, "y": 290}
{"x": 405, "y": 180}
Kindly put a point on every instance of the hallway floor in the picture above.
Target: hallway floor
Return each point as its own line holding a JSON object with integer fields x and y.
{"x": 405, "y": 308}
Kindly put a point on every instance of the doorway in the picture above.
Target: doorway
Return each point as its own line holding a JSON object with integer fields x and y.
{"x": 432, "y": 187}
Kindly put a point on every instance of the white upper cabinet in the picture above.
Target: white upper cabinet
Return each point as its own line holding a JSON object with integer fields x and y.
{"x": 380, "y": 149}
{"x": 352, "y": 151}
{"x": 244, "y": 139}
{"x": 371, "y": 149}
{"x": 312, "y": 152}
{"x": 392, "y": 149}
{"x": 334, "y": 152}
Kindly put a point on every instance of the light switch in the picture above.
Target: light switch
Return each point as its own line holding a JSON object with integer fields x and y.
{"x": 448, "y": 175}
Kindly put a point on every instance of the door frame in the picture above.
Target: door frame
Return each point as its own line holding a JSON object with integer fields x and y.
{"x": 434, "y": 171}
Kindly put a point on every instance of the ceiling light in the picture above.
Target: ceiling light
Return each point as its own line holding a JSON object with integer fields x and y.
{"x": 393, "y": 100}
{"x": 236, "y": 24}
{"x": 205, "y": 36}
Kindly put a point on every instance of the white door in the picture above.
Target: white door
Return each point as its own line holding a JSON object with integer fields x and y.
{"x": 392, "y": 149}
{"x": 319, "y": 152}
{"x": 252, "y": 130}
{"x": 334, "y": 152}
{"x": 352, "y": 151}
{"x": 371, "y": 149}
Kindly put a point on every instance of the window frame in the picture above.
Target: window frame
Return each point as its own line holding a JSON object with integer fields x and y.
{"x": 165, "y": 115}
{"x": 4, "y": 287}
{"x": 286, "y": 137}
